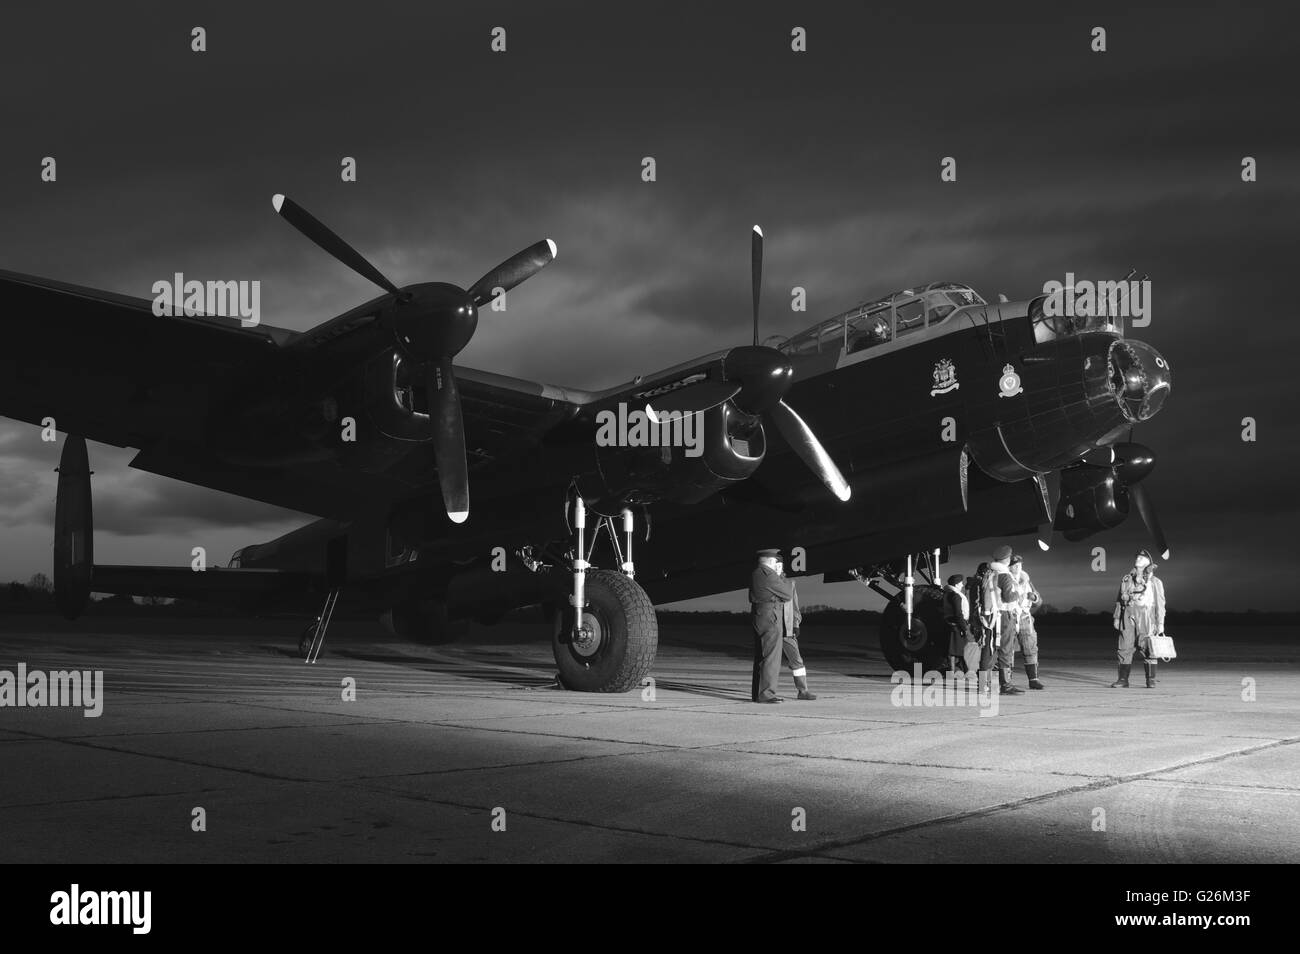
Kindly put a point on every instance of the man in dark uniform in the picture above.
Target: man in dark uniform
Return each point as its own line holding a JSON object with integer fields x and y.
{"x": 769, "y": 591}
{"x": 963, "y": 646}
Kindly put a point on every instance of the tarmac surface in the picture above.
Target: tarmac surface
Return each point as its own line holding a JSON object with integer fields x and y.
{"x": 441, "y": 742}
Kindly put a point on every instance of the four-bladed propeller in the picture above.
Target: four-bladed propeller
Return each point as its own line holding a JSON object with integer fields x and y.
{"x": 431, "y": 323}
{"x": 755, "y": 379}
{"x": 1129, "y": 464}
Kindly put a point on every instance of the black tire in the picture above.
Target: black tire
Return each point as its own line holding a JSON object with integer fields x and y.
{"x": 623, "y": 636}
{"x": 421, "y": 621}
{"x": 304, "y": 641}
{"x": 928, "y": 642}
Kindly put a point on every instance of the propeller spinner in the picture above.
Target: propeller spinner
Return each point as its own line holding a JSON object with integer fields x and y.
{"x": 431, "y": 323}
{"x": 755, "y": 379}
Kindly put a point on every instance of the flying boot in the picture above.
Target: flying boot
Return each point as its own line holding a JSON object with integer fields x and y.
{"x": 801, "y": 683}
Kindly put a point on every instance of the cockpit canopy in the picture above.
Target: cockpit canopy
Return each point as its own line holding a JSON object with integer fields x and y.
{"x": 883, "y": 320}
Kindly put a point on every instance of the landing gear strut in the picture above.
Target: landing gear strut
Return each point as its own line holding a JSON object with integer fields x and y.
{"x": 912, "y": 627}
{"x": 313, "y": 637}
{"x": 605, "y": 639}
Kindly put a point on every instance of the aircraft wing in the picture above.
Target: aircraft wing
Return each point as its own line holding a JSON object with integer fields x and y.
{"x": 503, "y": 417}
{"x": 103, "y": 366}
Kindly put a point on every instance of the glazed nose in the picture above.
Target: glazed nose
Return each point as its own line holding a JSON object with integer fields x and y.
{"x": 1140, "y": 378}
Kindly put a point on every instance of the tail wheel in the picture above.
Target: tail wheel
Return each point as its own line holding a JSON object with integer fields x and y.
{"x": 305, "y": 640}
{"x": 616, "y": 643}
{"x": 926, "y": 642}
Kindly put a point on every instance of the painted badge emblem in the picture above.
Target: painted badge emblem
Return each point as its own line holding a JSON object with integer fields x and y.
{"x": 945, "y": 377}
{"x": 1010, "y": 382}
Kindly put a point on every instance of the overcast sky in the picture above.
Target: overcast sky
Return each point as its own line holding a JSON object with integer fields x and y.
{"x": 1067, "y": 160}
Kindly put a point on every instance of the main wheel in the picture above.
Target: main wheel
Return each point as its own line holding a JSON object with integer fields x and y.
{"x": 615, "y": 646}
{"x": 926, "y": 643}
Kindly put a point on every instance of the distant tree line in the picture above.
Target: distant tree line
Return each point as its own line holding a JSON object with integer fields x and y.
{"x": 1047, "y": 616}
{"x": 37, "y": 596}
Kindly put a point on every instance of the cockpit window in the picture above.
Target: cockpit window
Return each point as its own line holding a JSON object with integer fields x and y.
{"x": 961, "y": 297}
{"x": 869, "y": 329}
{"x": 880, "y": 321}
{"x": 911, "y": 316}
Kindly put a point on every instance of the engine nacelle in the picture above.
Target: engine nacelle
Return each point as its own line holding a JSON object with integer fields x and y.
{"x": 74, "y": 547}
{"x": 394, "y": 399}
{"x": 1092, "y": 499}
{"x": 684, "y": 460}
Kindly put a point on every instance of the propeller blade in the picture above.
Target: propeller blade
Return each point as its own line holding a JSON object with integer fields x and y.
{"x": 517, "y": 268}
{"x": 1138, "y": 494}
{"x": 448, "y": 438}
{"x": 323, "y": 236}
{"x": 756, "y": 271}
{"x": 810, "y": 450}
{"x": 1047, "y": 530}
{"x": 691, "y": 399}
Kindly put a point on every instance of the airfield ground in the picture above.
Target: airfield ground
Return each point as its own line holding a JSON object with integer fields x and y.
{"x": 285, "y": 769}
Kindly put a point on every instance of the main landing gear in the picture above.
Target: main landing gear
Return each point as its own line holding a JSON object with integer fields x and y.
{"x": 912, "y": 627}
{"x": 606, "y": 636}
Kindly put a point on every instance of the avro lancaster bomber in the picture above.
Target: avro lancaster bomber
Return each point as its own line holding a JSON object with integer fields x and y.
{"x": 872, "y": 440}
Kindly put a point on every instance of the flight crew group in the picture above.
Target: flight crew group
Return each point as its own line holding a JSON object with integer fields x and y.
{"x": 989, "y": 617}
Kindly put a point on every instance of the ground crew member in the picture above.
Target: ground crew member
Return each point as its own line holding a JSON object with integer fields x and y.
{"x": 792, "y": 618}
{"x": 1026, "y": 632}
{"x": 1002, "y": 604}
{"x": 768, "y": 592}
{"x": 956, "y": 613}
{"x": 981, "y": 628}
{"x": 1139, "y": 615}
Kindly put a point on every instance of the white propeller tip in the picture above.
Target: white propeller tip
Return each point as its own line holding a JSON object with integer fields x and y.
{"x": 1164, "y": 555}
{"x": 650, "y": 413}
{"x": 1042, "y": 545}
{"x": 758, "y": 231}
{"x": 458, "y": 516}
{"x": 844, "y": 493}
{"x": 555, "y": 249}
{"x": 277, "y": 201}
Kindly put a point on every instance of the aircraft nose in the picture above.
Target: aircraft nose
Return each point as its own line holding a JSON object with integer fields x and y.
{"x": 1140, "y": 377}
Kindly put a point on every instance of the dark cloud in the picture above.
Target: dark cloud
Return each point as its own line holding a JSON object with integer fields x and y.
{"x": 126, "y": 502}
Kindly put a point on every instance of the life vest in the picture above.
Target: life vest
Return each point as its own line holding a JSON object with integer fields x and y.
{"x": 993, "y": 601}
